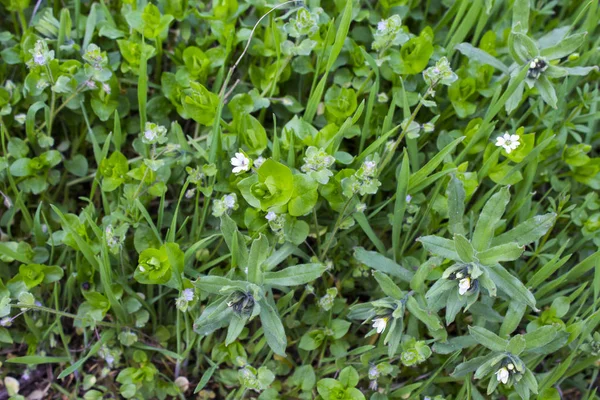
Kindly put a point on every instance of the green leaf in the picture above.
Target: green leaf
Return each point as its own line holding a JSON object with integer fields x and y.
{"x": 230, "y": 235}
{"x": 258, "y": 254}
{"x": 349, "y": 377}
{"x": 388, "y": 286}
{"x": 481, "y": 56}
{"x": 510, "y": 285}
{"x": 503, "y": 252}
{"x": 464, "y": 249}
{"x": 304, "y": 195}
{"x": 489, "y": 218}
{"x": 487, "y": 338}
{"x": 213, "y": 284}
{"x": 547, "y": 92}
{"x": 564, "y": 47}
{"x": 378, "y": 262}
{"x": 272, "y": 328}
{"x": 528, "y": 231}
{"x": 427, "y": 317}
{"x": 540, "y": 337}
{"x": 440, "y": 246}
{"x": 522, "y": 47}
{"x": 516, "y": 345}
{"x": 295, "y": 275}
{"x": 520, "y": 22}
{"x": 456, "y": 205}
{"x": 419, "y": 177}
{"x": 400, "y": 203}
{"x": 36, "y": 360}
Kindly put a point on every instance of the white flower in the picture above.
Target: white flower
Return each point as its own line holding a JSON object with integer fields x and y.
{"x": 379, "y": 324}
{"x": 369, "y": 167}
{"x": 508, "y": 142}
{"x": 150, "y": 135}
{"x": 106, "y": 88}
{"x": 154, "y": 133}
{"x": 502, "y": 375}
{"x": 408, "y": 198}
{"x": 188, "y": 294}
{"x": 259, "y": 161}
{"x": 90, "y": 84}
{"x": 229, "y": 200}
{"x": 240, "y": 162}
{"x": 270, "y": 216}
{"x": 382, "y": 25}
{"x": 190, "y": 193}
{"x": 21, "y": 118}
{"x": 464, "y": 285}
{"x": 6, "y": 321}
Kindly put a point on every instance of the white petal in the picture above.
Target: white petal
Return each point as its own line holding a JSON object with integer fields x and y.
{"x": 500, "y": 141}
{"x": 237, "y": 170}
{"x": 515, "y": 138}
{"x": 236, "y": 162}
{"x": 507, "y": 149}
{"x": 506, "y": 136}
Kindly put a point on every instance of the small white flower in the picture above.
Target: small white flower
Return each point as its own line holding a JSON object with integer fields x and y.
{"x": 188, "y": 294}
{"x": 12, "y": 386}
{"x": 259, "y": 161}
{"x": 240, "y": 162}
{"x": 270, "y": 216}
{"x": 361, "y": 207}
{"x": 6, "y": 321}
{"x": 374, "y": 372}
{"x": 190, "y": 193}
{"x": 154, "y": 133}
{"x": 502, "y": 375}
{"x": 379, "y": 324}
{"x": 408, "y": 198}
{"x": 150, "y": 135}
{"x": 90, "y": 84}
{"x": 229, "y": 200}
{"x": 382, "y": 97}
{"x": 508, "y": 142}
{"x": 21, "y": 118}
{"x": 382, "y": 25}
{"x": 464, "y": 285}
{"x": 369, "y": 167}
{"x": 106, "y": 88}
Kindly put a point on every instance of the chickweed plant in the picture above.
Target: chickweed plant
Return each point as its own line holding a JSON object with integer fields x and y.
{"x": 305, "y": 199}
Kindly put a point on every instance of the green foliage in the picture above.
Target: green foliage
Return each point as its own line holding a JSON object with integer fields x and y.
{"x": 306, "y": 200}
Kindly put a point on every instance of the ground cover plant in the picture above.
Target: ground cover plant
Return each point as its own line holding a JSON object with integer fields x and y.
{"x": 334, "y": 199}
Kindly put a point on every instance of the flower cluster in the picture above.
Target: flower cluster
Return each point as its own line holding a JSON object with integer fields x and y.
{"x": 317, "y": 163}
{"x": 95, "y": 57}
{"x": 41, "y": 54}
{"x": 306, "y": 23}
{"x": 387, "y": 32}
{"x": 363, "y": 181}
{"x": 326, "y": 302}
{"x": 225, "y": 204}
{"x": 441, "y": 72}
{"x": 154, "y": 133}
{"x": 187, "y": 296}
